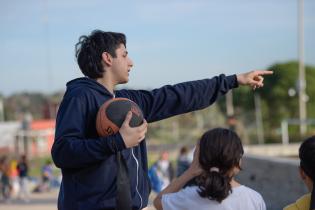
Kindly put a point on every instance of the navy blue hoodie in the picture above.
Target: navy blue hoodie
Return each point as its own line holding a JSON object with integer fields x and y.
{"x": 88, "y": 162}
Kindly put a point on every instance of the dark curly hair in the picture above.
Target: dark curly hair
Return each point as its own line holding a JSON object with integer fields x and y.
{"x": 220, "y": 148}
{"x": 307, "y": 163}
{"x": 90, "y": 48}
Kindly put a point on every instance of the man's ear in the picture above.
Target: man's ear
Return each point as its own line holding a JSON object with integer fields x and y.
{"x": 107, "y": 58}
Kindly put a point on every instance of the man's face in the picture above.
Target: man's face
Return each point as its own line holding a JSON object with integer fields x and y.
{"x": 121, "y": 65}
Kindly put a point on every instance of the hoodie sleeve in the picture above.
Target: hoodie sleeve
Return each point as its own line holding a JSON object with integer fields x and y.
{"x": 71, "y": 149}
{"x": 171, "y": 100}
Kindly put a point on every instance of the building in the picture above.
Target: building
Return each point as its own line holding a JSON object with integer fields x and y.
{"x": 34, "y": 140}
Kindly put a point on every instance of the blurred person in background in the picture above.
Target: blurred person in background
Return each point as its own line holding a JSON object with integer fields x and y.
{"x": 161, "y": 172}
{"x": 307, "y": 173}
{"x": 47, "y": 175}
{"x": 14, "y": 177}
{"x": 5, "y": 179}
{"x": 22, "y": 168}
{"x": 183, "y": 161}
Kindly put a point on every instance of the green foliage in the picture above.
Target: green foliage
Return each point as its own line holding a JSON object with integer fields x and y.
{"x": 278, "y": 105}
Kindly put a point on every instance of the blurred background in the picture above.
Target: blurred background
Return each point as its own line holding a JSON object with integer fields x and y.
{"x": 169, "y": 42}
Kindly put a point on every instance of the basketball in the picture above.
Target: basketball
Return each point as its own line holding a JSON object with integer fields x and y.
{"x": 112, "y": 114}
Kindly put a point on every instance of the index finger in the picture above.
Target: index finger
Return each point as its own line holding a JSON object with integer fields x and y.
{"x": 263, "y": 72}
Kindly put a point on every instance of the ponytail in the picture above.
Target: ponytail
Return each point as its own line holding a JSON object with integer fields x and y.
{"x": 214, "y": 185}
{"x": 220, "y": 152}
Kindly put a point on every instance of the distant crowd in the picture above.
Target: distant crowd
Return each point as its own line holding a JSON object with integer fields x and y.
{"x": 15, "y": 182}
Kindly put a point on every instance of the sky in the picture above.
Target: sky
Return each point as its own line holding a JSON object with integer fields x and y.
{"x": 169, "y": 41}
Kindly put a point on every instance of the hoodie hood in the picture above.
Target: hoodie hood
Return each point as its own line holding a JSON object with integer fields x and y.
{"x": 83, "y": 84}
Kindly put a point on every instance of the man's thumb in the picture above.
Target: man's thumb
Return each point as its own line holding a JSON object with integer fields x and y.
{"x": 128, "y": 118}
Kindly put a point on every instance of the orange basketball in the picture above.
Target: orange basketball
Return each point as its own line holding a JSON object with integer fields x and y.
{"x": 112, "y": 114}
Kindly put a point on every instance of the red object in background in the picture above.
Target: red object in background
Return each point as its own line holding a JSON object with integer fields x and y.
{"x": 43, "y": 124}
{"x": 38, "y": 125}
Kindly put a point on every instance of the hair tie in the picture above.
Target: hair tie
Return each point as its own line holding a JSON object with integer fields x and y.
{"x": 214, "y": 169}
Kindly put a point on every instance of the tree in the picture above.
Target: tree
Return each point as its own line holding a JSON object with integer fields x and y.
{"x": 277, "y": 103}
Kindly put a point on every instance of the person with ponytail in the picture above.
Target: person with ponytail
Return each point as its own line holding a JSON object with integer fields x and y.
{"x": 217, "y": 159}
{"x": 307, "y": 173}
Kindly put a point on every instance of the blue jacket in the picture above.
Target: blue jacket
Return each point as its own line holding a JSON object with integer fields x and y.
{"x": 87, "y": 161}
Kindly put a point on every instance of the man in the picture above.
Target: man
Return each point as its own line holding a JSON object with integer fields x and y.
{"x": 88, "y": 162}
{"x": 161, "y": 172}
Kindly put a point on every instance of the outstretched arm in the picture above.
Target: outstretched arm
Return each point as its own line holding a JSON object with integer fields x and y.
{"x": 171, "y": 100}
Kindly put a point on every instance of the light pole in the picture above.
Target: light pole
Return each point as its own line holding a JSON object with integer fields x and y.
{"x": 302, "y": 83}
{"x": 1, "y": 110}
